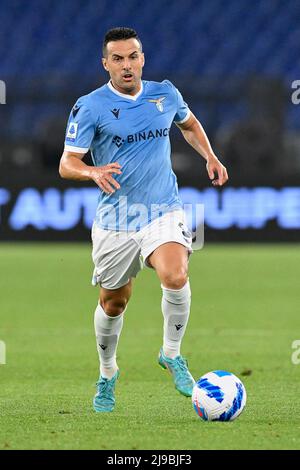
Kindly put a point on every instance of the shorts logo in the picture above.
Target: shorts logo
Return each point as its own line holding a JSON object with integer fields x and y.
{"x": 185, "y": 232}
{"x": 158, "y": 103}
{"x": 72, "y": 132}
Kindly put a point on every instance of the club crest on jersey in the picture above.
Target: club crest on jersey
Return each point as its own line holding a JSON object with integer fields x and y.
{"x": 72, "y": 131}
{"x": 158, "y": 103}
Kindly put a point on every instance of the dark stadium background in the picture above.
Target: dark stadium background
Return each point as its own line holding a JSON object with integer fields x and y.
{"x": 236, "y": 75}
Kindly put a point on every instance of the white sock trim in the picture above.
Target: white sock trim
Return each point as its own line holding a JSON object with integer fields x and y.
{"x": 177, "y": 296}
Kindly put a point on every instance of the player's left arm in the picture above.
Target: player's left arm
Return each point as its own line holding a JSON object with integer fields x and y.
{"x": 195, "y": 135}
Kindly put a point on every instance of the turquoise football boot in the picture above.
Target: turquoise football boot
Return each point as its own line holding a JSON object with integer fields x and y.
{"x": 104, "y": 400}
{"x": 178, "y": 367}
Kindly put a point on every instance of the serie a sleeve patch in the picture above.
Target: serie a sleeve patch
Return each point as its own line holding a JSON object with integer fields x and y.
{"x": 72, "y": 132}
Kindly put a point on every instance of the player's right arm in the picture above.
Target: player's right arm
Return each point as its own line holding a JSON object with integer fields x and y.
{"x": 72, "y": 167}
{"x": 80, "y": 133}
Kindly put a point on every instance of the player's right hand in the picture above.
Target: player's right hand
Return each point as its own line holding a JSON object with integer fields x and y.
{"x": 102, "y": 177}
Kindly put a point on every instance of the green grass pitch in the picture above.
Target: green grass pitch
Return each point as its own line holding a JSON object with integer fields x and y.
{"x": 245, "y": 316}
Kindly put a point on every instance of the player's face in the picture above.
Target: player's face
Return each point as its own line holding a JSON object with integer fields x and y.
{"x": 124, "y": 63}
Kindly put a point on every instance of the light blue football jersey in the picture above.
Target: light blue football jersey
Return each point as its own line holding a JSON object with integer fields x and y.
{"x": 133, "y": 131}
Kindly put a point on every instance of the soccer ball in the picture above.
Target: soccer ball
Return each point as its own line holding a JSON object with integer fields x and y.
{"x": 219, "y": 396}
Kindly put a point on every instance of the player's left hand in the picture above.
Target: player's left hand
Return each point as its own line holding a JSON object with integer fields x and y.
{"x": 216, "y": 171}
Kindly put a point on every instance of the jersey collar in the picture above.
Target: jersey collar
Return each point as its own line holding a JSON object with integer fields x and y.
{"x": 130, "y": 97}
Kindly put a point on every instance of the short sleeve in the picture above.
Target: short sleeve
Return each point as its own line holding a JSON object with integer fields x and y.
{"x": 80, "y": 129}
{"x": 183, "y": 111}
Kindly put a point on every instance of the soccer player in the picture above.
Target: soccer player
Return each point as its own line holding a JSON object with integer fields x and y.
{"x": 139, "y": 219}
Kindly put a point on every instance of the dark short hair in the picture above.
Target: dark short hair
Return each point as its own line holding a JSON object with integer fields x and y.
{"x": 119, "y": 34}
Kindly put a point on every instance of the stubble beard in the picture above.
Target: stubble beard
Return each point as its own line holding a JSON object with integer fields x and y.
{"x": 129, "y": 87}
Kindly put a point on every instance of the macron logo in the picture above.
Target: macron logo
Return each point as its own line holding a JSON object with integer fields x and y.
{"x": 115, "y": 112}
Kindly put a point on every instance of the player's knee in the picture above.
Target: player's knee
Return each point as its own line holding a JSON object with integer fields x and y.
{"x": 174, "y": 279}
{"x": 114, "y": 307}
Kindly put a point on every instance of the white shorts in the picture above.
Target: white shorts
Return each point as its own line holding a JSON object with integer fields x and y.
{"x": 119, "y": 256}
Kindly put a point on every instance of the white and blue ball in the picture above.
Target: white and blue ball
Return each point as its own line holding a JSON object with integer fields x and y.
{"x": 219, "y": 396}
